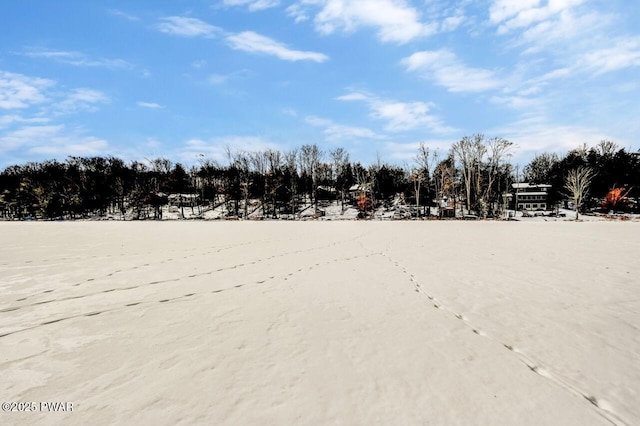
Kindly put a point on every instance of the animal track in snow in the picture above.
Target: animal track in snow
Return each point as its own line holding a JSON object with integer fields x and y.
{"x": 603, "y": 409}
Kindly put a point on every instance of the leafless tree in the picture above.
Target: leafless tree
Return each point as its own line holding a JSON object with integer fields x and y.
{"x": 272, "y": 179}
{"x": 607, "y": 148}
{"x": 498, "y": 150}
{"x": 241, "y": 161}
{"x": 577, "y": 183}
{"x": 421, "y": 174}
{"x": 291, "y": 166}
{"x": 417, "y": 177}
{"x": 340, "y": 159}
{"x": 259, "y": 162}
{"x": 310, "y": 156}
{"x": 469, "y": 152}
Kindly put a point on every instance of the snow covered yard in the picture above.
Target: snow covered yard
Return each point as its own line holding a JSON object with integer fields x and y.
{"x": 321, "y": 322}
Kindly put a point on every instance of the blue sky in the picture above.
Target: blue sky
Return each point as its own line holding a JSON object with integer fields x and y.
{"x": 185, "y": 79}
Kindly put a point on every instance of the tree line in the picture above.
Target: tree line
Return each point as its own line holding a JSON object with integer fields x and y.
{"x": 473, "y": 176}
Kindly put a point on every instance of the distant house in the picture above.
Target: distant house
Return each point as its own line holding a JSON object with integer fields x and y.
{"x": 359, "y": 188}
{"x": 325, "y": 192}
{"x": 183, "y": 200}
{"x": 356, "y": 189}
{"x": 527, "y": 196}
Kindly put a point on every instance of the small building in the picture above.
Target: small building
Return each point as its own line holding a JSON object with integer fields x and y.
{"x": 183, "y": 200}
{"x": 528, "y": 196}
{"x": 358, "y": 189}
{"x": 325, "y": 192}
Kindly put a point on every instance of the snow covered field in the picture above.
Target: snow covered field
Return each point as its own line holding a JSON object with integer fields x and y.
{"x": 243, "y": 323}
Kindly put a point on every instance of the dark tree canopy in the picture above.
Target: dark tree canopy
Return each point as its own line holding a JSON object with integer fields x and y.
{"x": 476, "y": 173}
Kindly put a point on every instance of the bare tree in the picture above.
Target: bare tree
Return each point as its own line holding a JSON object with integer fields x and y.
{"x": 273, "y": 179}
{"x": 498, "y": 150}
{"x": 607, "y": 148}
{"x": 417, "y": 177}
{"x": 310, "y": 156}
{"x": 469, "y": 152}
{"x": 577, "y": 183}
{"x": 291, "y": 167}
{"x": 435, "y": 160}
{"x": 241, "y": 162}
{"x": 421, "y": 174}
{"x": 210, "y": 184}
{"x": 259, "y": 161}
{"x": 340, "y": 159}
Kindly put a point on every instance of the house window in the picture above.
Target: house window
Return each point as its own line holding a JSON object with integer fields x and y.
{"x": 527, "y": 206}
{"x": 535, "y": 206}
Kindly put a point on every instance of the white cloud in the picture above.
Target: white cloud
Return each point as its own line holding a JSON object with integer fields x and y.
{"x": 124, "y": 15}
{"x": 400, "y": 116}
{"x": 404, "y": 115}
{"x": 354, "y": 96}
{"x": 253, "y": 5}
{"x": 408, "y": 151}
{"x": 625, "y": 53}
{"x": 568, "y": 40}
{"x": 565, "y": 33}
{"x": 445, "y": 69}
{"x": 395, "y": 20}
{"x": 28, "y": 135}
{"x": 80, "y": 100}
{"x": 51, "y": 140}
{"x": 8, "y": 120}
{"x": 65, "y": 146}
{"x": 216, "y": 148}
{"x": 76, "y": 58}
{"x": 451, "y": 23}
{"x": 187, "y": 27}
{"x": 338, "y": 132}
{"x": 249, "y": 41}
{"x": 298, "y": 13}
{"x": 153, "y": 143}
{"x": 199, "y": 64}
{"x": 555, "y": 74}
{"x": 536, "y": 134}
{"x": 218, "y": 79}
{"x": 516, "y": 101}
{"x": 151, "y": 105}
{"x": 510, "y": 15}
{"x": 36, "y": 133}
{"x": 20, "y": 91}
